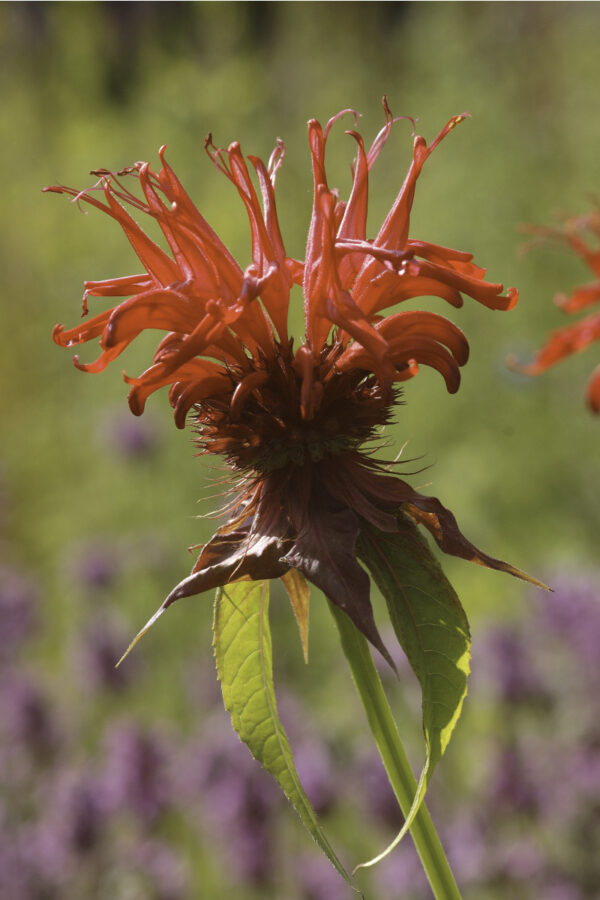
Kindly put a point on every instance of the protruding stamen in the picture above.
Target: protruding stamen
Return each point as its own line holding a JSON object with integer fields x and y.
{"x": 304, "y": 365}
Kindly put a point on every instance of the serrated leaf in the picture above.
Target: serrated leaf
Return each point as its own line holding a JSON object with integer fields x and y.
{"x": 432, "y": 629}
{"x": 242, "y": 644}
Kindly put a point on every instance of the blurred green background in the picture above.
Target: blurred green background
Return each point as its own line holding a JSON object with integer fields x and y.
{"x": 89, "y": 85}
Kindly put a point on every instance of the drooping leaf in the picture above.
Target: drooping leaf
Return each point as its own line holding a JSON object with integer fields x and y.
{"x": 432, "y": 629}
{"x": 443, "y": 527}
{"x": 299, "y": 594}
{"x": 242, "y": 644}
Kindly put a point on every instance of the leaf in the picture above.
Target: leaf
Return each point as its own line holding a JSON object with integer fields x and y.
{"x": 242, "y": 644}
{"x": 298, "y": 591}
{"x": 432, "y": 629}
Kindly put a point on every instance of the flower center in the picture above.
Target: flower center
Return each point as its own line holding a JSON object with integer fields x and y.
{"x": 270, "y": 429}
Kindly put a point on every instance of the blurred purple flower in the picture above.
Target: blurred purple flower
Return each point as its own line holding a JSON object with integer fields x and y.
{"x": 313, "y": 757}
{"x": 28, "y": 717}
{"x": 164, "y": 869}
{"x": 317, "y": 774}
{"x": 129, "y": 437}
{"x": 466, "y": 841}
{"x": 48, "y": 857}
{"x": 217, "y": 767}
{"x": 514, "y": 786}
{"x": 572, "y": 613}
{"x": 237, "y": 801}
{"x": 94, "y": 564}
{"x": 377, "y": 795}
{"x": 16, "y": 882}
{"x": 582, "y": 779}
{"x": 99, "y": 648}
{"x": 54, "y": 831}
{"x": 137, "y": 777}
{"x": 519, "y": 859}
{"x": 505, "y": 657}
{"x": 559, "y": 889}
{"x": 76, "y": 849}
{"x": 318, "y": 880}
{"x": 401, "y": 875}
{"x": 253, "y": 853}
{"x": 19, "y": 597}
{"x": 76, "y": 814}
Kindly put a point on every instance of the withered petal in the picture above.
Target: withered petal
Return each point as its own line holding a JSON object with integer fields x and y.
{"x": 390, "y": 493}
{"x": 443, "y": 527}
{"x": 229, "y": 557}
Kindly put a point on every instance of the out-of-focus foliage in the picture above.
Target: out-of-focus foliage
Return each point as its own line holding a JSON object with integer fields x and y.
{"x": 96, "y": 508}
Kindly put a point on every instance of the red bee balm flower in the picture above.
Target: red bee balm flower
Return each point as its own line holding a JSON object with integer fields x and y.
{"x": 291, "y": 423}
{"x": 573, "y": 338}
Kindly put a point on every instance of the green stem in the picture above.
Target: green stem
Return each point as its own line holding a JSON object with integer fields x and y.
{"x": 385, "y": 732}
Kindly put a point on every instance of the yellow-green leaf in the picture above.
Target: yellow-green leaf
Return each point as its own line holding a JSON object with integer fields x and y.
{"x": 242, "y": 644}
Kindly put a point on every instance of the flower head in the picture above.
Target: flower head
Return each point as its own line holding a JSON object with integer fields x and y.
{"x": 291, "y": 422}
{"x": 574, "y": 338}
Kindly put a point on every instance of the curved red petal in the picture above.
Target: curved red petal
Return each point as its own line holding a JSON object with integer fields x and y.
{"x": 119, "y": 287}
{"x": 580, "y": 298}
{"x": 106, "y": 357}
{"x": 592, "y": 394}
{"x": 86, "y": 331}
{"x": 156, "y": 377}
{"x": 162, "y": 309}
{"x": 484, "y": 292}
{"x": 564, "y": 343}
{"x": 187, "y": 395}
{"x": 354, "y": 221}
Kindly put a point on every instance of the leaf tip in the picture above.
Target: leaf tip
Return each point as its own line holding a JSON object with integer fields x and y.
{"x": 141, "y": 634}
{"x": 530, "y": 578}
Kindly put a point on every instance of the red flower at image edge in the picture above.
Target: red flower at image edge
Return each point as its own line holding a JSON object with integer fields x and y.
{"x": 574, "y": 338}
{"x": 291, "y": 423}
